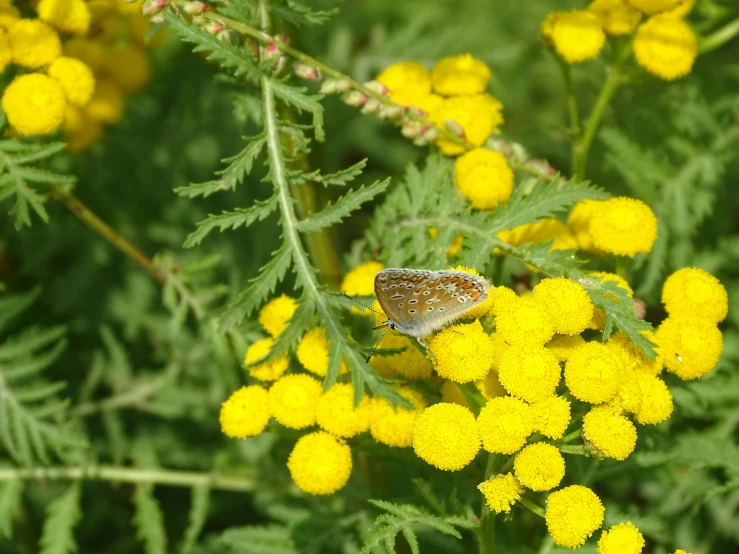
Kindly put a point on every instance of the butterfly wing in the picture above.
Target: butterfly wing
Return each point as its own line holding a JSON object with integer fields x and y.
{"x": 392, "y": 288}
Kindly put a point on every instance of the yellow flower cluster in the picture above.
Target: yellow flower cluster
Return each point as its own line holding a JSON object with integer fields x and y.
{"x": 623, "y": 538}
{"x": 446, "y": 436}
{"x": 501, "y": 492}
{"x": 573, "y": 514}
{"x": 320, "y": 463}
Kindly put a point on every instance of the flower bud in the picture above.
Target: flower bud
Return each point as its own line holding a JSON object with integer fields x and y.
{"x": 377, "y": 86}
{"x": 213, "y": 27}
{"x": 157, "y": 18}
{"x": 224, "y": 35}
{"x": 354, "y": 98}
{"x": 195, "y": 8}
{"x": 281, "y": 38}
{"x": 418, "y": 111}
{"x": 372, "y": 105}
{"x": 392, "y": 111}
{"x": 328, "y": 86}
{"x": 342, "y": 85}
{"x": 542, "y": 167}
{"x": 519, "y": 152}
{"x": 307, "y": 72}
{"x": 412, "y": 129}
{"x": 199, "y": 20}
{"x": 271, "y": 52}
{"x": 454, "y": 128}
{"x": 152, "y": 6}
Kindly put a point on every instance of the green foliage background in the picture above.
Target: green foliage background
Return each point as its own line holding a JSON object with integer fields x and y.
{"x": 104, "y": 368}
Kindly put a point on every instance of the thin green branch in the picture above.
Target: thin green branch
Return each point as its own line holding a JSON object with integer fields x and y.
{"x": 538, "y": 510}
{"x": 578, "y": 449}
{"x": 487, "y": 523}
{"x": 571, "y": 437}
{"x": 719, "y": 38}
{"x": 572, "y": 107}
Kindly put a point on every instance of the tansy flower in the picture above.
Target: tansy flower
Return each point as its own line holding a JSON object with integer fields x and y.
{"x": 84, "y": 137}
{"x": 551, "y": 416}
{"x": 694, "y": 293}
{"x": 623, "y": 226}
{"x": 503, "y": 297}
{"x": 293, "y": 399}
{"x": 360, "y": 281}
{"x": 393, "y": 425}
{"x": 463, "y": 352}
{"x": 504, "y": 424}
{"x": 8, "y": 16}
{"x": 410, "y": 363}
{"x": 572, "y": 515}
{"x": 566, "y": 303}
{"x": 681, "y": 551}
{"x": 592, "y": 373}
{"x": 656, "y": 400}
{"x": 91, "y": 52}
{"x": 628, "y": 397}
{"x": 484, "y": 178}
{"x": 69, "y": 16}
{"x": 270, "y": 370}
{"x": 682, "y": 9}
{"x": 599, "y": 318}
{"x": 454, "y": 247}
{"x": 623, "y": 538}
{"x": 33, "y": 43}
{"x": 482, "y": 309}
{"x": 276, "y": 314}
{"x": 107, "y": 102}
{"x": 478, "y": 115}
{"x": 245, "y": 413}
{"x": 320, "y": 463}
{"x": 562, "y": 346}
{"x": 337, "y": 414}
{"x": 690, "y": 347}
{"x": 445, "y": 436}
{"x": 312, "y": 352}
{"x": 610, "y": 433}
{"x": 529, "y": 372}
{"x": 75, "y": 78}
{"x": 651, "y": 7}
{"x": 579, "y": 223}
{"x": 539, "y": 466}
{"x": 521, "y": 320}
{"x": 542, "y": 231}
{"x": 501, "y": 492}
{"x": 634, "y": 358}
{"x": 34, "y": 104}
{"x": 6, "y": 56}
{"x": 616, "y": 16}
{"x": 129, "y": 67}
{"x": 463, "y": 74}
{"x": 500, "y": 346}
{"x": 666, "y": 47}
{"x": 577, "y": 36}
{"x": 547, "y": 26}
{"x": 406, "y": 81}
{"x": 491, "y": 387}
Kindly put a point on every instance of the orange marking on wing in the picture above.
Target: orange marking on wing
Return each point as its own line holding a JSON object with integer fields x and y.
{"x": 474, "y": 294}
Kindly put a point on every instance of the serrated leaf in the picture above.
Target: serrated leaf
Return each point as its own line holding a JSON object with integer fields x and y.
{"x": 62, "y": 515}
{"x": 12, "y": 305}
{"x": 198, "y": 514}
{"x": 344, "y": 176}
{"x": 149, "y": 521}
{"x": 296, "y": 97}
{"x": 10, "y": 498}
{"x": 298, "y": 13}
{"x": 269, "y": 539}
{"x": 231, "y": 220}
{"x": 334, "y": 213}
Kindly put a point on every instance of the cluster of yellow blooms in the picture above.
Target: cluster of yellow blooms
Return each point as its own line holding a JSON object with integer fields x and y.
{"x": 664, "y": 44}
{"x": 74, "y": 64}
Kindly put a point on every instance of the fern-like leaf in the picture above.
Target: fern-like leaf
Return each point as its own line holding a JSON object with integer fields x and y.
{"x": 62, "y": 515}
{"x": 149, "y": 521}
{"x": 269, "y": 539}
{"x": 10, "y": 499}
{"x": 342, "y": 177}
{"x": 198, "y": 515}
{"x": 334, "y": 213}
{"x": 231, "y": 220}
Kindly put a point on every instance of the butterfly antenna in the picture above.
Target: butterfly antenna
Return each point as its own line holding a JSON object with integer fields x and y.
{"x": 375, "y": 348}
{"x": 362, "y": 304}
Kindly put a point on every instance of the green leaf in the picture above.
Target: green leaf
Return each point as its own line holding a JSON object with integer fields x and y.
{"x": 298, "y": 13}
{"x": 12, "y": 305}
{"x": 242, "y": 217}
{"x": 344, "y": 176}
{"x": 10, "y": 498}
{"x": 62, "y": 515}
{"x": 198, "y": 515}
{"x": 269, "y": 539}
{"x": 296, "y": 97}
{"x": 149, "y": 521}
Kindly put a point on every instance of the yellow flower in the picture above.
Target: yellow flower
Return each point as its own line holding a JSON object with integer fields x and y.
{"x": 592, "y": 373}
{"x": 541, "y": 231}
{"x": 33, "y": 43}
{"x": 522, "y": 321}
{"x": 245, "y": 413}
{"x": 6, "y": 55}
{"x": 484, "y": 178}
{"x": 91, "y": 52}
{"x": 681, "y": 551}
{"x": 75, "y": 78}
{"x": 634, "y": 358}
{"x": 629, "y": 396}
{"x": 682, "y": 9}
{"x": 656, "y": 400}
{"x": 623, "y": 226}
{"x": 293, "y": 399}
{"x": 572, "y": 515}
{"x": 34, "y": 104}
{"x": 445, "y": 436}
{"x": 651, "y": 7}
{"x": 479, "y": 115}
{"x": 562, "y": 346}
{"x": 579, "y": 223}
{"x": 500, "y": 346}
{"x": 312, "y": 353}
{"x": 504, "y": 424}
{"x": 8, "y": 16}
{"x": 547, "y": 26}
{"x": 610, "y": 433}
{"x": 666, "y": 47}
{"x": 623, "y": 538}
{"x": 69, "y": 16}
{"x": 566, "y": 303}
{"x": 551, "y": 416}
{"x": 529, "y": 372}
{"x": 485, "y": 306}
{"x": 320, "y": 463}
{"x": 577, "y": 36}
{"x": 411, "y": 363}
{"x": 616, "y": 16}
{"x": 692, "y": 292}
{"x": 406, "y": 82}
{"x": 270, "y": 370}
{"x": 690, "y": 347}
{"x": 337, "y": 414}
{"x": 463, "y": 74}
{"x": 451, "y": 394}
{"x": 539, "y": 466}
{"x": 394, "y": 425}
{"x": 463, "y": 357}
{"x": 129, "y": 66}
{"x": 501, "y": 492}
{"x": 107, "y": 102}
{"x": 360, "y": 281}
{"x": 503, "y": 297}
{"x": 490, "y": 387}
{"x": 84, "y": 137}
{"x": 276, "y": 314}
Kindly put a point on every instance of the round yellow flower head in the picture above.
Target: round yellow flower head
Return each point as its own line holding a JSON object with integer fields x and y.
{"x": 623, "y": 226}
{"x": 445, "y": 436}
{"x": 579, "y": 222}
{"x": 92, "y": 52}
{"x": 500, "y": 346}
{"x": 461, "y": 74}
{"x": 8, "y": 16}
{"x": 566, "y": 303}
{"x": 406, "y": 81}
{"x": 577, "y": 36}
{"x": 551, "y": 416}
{"x": 393, "y": 425}
{"x": 75, "y": 78}
{"x": 491, "y": 387}
{"x": 529, "y": 372}
{"x": 293, "y": 399}
{"x": 562, "y": 346}
{"x": 656, "y": 400}
{"x": 539, "y": 466}
{"x": 463, "y": 352}
{"x": 6, "y": 55}
{"x": 69, "y": 16}
{"x": 651, "y": 7}
{"x": 522, "y": 321}
{"x": 547, "y": 26}
{"x": 599, "y": 318}
{"x": 617, "y": 16}
{"x": 623, "y": 538}
{"x": 682, "y": 9}
{"x": 320, "y": 463}
{"x": 337, "y": 414}
{"x": 629, "y": 396}
{"x": 666, "y": 47}
{"x": 501, "y": 492}
{"x": 504, "y": 424}
{"x": 542, "y": 231}
{"x": 107, "y": 102}
{"x": 84, "y": 137}
{"x": 245, "y": 413}
{"x": 479, "y": 115}
{"x": 681, "y": 551}
{"x": 692, "y": 292}
{"x": 485, "y": 306}
{"x": 360, "y": 281}
{"x": 312, "y": 352}
{"x": 572, "y": 515}
{"x": 276, "y": 314}
{"x": 33, "y": 43}
{"x": 410, "y": 364}
{"x": 270, "y": 370}
{"x": 633, "y": 357}
{"x": 503, "y": 297}
{"x": 690, "y": 347}
{"x": 34, "y": 104}
{"x": 612, "y": 435}
{"x": 129, "y": 66}
{"x": 593, "y": 374}
{"x": 484, "y": 178}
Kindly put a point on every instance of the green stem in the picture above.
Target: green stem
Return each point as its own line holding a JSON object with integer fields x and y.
{"x": 538, "y": 510}
{"x": 720, "y": 37}
{"x": 571, "y": 437}
{"x": 487, "y": 522}
{"x": 474, "y": 397}
{"x": 498, "y": 266}
{"x": 622, "y": 266}
{"x": 578, "y": 449}
{"x": 508, "y": 464}
{"x": 572, "y": 108}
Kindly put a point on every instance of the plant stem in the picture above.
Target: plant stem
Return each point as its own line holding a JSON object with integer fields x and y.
{"x": 498, "y": 265}
{"x": 622, "y": 266}
{"x": 573, "y": 449}
{"x": 571, "y": 437}
{"x": 720, "y": 37}
{"x": 538, "y": 510}
{"x": 487, "y": 523}
{"x": 572, "y": 109}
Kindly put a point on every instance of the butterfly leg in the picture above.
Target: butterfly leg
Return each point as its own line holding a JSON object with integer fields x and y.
{"x": 420, "y": 341}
